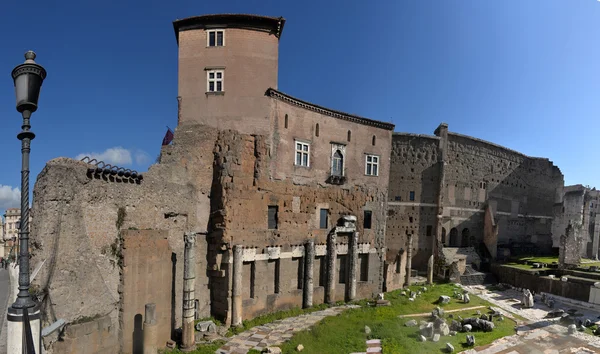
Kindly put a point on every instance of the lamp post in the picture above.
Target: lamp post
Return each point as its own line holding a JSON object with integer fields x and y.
{"x": 24, "y": 326}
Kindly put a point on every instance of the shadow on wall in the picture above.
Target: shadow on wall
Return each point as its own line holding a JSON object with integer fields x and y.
{"x": 173, "y": 293}
{"x": 427, "y": 188}
{"x": 138, "y": 335}
{"x": 521, "y": 192}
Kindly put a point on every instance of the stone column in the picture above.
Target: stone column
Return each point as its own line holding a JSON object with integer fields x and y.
{"x": 188, "y": 340}
{"x": 331, "y": 260}
{"x": 236, "y": 301}
{"x": 150, "y": 329}
{"x": 309, "y": 259}
{"x": 430, "y": 270}
{"x": 408, "y": 257}
{"x": 352, "y": 263}
{"x": 596, "y": 237}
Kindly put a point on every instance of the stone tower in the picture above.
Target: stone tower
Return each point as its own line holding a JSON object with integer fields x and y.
{"x": 226, "y": 64}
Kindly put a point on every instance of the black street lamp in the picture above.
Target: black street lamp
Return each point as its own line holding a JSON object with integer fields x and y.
{"x": 28, "y": 78}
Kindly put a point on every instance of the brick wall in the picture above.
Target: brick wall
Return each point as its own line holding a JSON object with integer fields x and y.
{"x": 249, "y": 60}
{"x": 96, "y": 336}
{"x": 147, "y": 278}
{"x": 521, "y": 191}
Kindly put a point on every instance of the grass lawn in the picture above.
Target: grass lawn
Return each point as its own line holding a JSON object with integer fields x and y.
{"x": 548, "y": 260}
{"x": 345, "y": 333}
{"x": 524, "y": 266}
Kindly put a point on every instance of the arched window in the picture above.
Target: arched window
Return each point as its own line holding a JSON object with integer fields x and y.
{"x": 286, "y": 121}
{"x": 349, "y": 135}
{"x": 337, "y": 163}
{"x": 317, "y": 130}
{"x": 453, "y": 237}
{"x": 465, "y": 242}
{"x": 373, "y": 140}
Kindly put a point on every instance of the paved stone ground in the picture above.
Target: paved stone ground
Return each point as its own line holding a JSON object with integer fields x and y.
{"x": 373, "y": 347}
{"x": 277, "y": 332}
{"x": 539, "y": 335}
{"x": 4, "y": 295}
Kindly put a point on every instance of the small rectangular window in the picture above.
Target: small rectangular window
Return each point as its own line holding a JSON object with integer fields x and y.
{"x": 302, "y": 154}
{"x": 429, "y": 230}
{"x": 363, "y": 266}
{"x": 272, "y": 217}
{"x": 397, "y": 198}
{"x": 367, "y": 219}
{"x": 216, "y": 38}
{"x": 372, "y": 165}
{"x": 214, "y": 80}
{"x": 323, "y": 218}
{"x": 412, "y": 196}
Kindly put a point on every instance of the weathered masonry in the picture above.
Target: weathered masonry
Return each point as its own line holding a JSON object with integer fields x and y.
{"x": 287, "y": 199}
{"x": 466, "y": 192}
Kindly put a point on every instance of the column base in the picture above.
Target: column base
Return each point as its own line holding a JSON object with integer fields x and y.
{"x": 15, "y": 329}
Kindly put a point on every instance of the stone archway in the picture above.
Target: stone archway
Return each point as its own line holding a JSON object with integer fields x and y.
{"x": 465, "y": 241}
{"x": 443, "y": 236}
{"x": 453, "y": 237}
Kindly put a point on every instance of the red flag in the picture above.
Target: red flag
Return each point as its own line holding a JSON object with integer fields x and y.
{"x": 168, "y": 137}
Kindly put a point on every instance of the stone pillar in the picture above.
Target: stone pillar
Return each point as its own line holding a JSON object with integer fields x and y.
{"x": 408, "y": 257}
{"x": 430, "y": 270}
{"x": 309, "y": 259}
{"x": 188, "y": 340}
{"x": 150, "y": 329}
{"x": 331, "y": 260}
{"x": 352, "y": 263}
{"x": 236, "y": 301}
{"x": 596, "y": 237}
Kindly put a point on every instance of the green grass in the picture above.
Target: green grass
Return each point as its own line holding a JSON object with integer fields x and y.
{"x": 268, "y": 318}
{"x": 202, "y": 349}
{"x": 524, "y": 266}
{"x": 345, "y": 333}
{"x": 215, "y": 321}
{"x": 548, "y": 260}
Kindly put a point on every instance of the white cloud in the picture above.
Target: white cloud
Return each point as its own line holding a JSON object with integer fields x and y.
{"x": 141, "y": 157}
{"x": 115, "y": 156}
{"x": 9, "y": 198}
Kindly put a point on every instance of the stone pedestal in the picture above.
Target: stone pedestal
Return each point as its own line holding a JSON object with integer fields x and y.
{"x": 150, "y": 329}
{"x": 15, "y": 328}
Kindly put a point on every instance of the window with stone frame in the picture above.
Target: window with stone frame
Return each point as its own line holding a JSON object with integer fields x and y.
{"x": 367, "y": 219}
{"x": 302, "y": 154}
{"x": 215, "y": 38}
{"x": 214, "y": 80}
{"x": 372, "y": 165}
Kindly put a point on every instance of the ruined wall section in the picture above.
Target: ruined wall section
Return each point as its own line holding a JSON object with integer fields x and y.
{"x": 78, "y": 219}
{"x": 521, "y": 190}
{"x": 247, "y": 191}
{"x": 413, "y": 192}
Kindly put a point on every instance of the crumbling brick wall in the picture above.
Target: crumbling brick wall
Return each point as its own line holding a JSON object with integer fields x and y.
{"x": 244, "y": 190}
{"x": 521, "y": 191}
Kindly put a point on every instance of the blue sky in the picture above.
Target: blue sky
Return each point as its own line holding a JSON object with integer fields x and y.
{"x": 523, "y": 74}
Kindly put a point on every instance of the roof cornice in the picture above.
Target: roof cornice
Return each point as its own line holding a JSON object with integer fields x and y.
{"x": 326, "y": 111}
{"x": 273, "y": 25}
